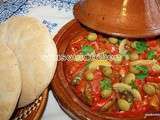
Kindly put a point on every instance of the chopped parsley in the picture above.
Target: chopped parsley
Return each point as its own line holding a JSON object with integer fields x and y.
{"x": 140, "y": 46}
{"x": 141, "y": 76}
{"x": 151, "y": 54}
{"x": 87, "y": 49}
{"x": 105, "y": 84}
{"x": 144, "y": 72}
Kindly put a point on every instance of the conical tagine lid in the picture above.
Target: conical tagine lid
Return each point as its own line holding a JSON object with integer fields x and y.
{"x": 125, "y": 18}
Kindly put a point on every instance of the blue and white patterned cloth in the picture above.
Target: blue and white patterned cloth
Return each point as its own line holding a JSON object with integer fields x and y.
{"x": 54, "y": 14}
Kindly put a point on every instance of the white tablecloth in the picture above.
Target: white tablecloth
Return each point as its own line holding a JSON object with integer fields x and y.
{"x": 53, "y": 111}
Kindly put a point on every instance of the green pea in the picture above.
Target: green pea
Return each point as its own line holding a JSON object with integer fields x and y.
{"x": 92, "y": 37}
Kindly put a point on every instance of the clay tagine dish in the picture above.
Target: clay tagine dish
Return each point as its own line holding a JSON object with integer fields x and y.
{"x": 109, "y": 62}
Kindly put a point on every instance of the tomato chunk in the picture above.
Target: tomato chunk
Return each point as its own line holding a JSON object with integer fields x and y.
{"x": 152, "y": 43}
{"x": 153, "y": 79}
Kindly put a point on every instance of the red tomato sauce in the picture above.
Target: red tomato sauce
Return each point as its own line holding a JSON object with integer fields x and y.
{"x": 126, "y": 82}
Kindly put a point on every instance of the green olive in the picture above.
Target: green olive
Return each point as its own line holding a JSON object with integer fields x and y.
{"x": 123, "y": 105}
{"x": 89, "y": 76}
{"x": 122, "y": 87}
{"x": 118, "y": 59}
{"x": 149, "y": 89}
{"x": 107, "y": 71}
{"x": 134, "y": 56}
{"x": 92, "y": 37}
{"x": 133, "y": 69}
{"x": 113, "y": 40}
{"x": 106, "y": 93}
{"x": 129, "y": 78}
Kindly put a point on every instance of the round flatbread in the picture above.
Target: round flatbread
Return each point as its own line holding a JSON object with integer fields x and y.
{"x": 36, "y": 53}
{"x": 10, "y": 82}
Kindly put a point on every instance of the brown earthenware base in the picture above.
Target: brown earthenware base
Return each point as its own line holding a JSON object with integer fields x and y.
{"x": 62, "y": 90}
{"x": 33, "y": 111}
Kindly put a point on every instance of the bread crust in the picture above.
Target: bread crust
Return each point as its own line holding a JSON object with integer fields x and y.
{"x": 10, "y": 82}
{"x": 35, "y": 51}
